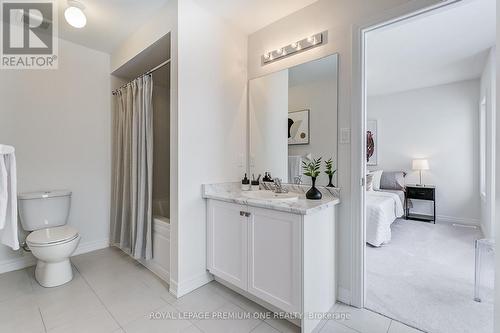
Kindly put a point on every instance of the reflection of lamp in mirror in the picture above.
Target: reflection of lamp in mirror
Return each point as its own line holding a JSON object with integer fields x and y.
{"x": 420, "y": 165}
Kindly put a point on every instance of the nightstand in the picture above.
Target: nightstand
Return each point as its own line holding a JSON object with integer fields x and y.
{"x": 427, "y": 193}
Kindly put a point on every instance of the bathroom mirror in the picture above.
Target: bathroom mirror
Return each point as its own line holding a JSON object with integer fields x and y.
{"x": 293, "y": 118}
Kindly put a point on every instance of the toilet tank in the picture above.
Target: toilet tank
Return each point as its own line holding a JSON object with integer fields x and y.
{"x": 38, "y": 210}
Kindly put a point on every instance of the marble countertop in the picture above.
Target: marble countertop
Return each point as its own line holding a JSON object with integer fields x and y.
{"x": 231, "y": 192}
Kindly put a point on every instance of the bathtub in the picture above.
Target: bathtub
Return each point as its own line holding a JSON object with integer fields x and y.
{"x": 161, "y": 207}
{"x": 160, "y": 264}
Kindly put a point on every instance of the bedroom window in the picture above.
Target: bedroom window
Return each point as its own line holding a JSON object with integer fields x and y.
{"x": 482, "y": 148}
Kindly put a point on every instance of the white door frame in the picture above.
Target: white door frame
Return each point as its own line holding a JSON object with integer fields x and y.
{"x": 358, "y": 120}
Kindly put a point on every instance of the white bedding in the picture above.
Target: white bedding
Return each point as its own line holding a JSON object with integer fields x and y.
{"x": 382, "y": 209}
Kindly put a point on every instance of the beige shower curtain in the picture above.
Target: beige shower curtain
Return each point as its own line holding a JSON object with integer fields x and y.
{"x": 132, "y": 181}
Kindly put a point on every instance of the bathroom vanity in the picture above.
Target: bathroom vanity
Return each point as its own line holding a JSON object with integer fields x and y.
{"x": 278, "y": 252}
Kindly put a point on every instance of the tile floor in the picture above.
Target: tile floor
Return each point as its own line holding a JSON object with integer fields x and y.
{"x": 113, "y": 293}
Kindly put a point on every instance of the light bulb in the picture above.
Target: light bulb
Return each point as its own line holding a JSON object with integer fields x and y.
{"x": 294, "y": 45}
{"x": 279, "y": 51}
{"x": 75, "y": 16}
{"x": 267, "y": 56}
{"x": 311, "y": 39}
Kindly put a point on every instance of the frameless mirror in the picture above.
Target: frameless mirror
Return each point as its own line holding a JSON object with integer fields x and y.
{"x": 293, "y": 118}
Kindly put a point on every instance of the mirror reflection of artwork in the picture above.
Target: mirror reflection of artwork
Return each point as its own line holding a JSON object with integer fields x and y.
{"x": 371, "y": 142}
{"x": 298, "y": 127}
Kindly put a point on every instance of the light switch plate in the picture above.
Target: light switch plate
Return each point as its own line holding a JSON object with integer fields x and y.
{"x": 345, "y": 135}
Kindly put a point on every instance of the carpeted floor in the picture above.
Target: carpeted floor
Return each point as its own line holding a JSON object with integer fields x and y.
{"x": 424, "y": 278}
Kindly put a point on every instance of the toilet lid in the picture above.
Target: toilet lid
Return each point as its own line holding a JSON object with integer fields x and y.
{"x": 52, "y": 235}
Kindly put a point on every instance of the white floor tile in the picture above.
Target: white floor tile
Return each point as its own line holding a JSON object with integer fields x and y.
{"x": 101, "y": 322}
{"x": 200, "y": 300}
{"x": 237, "y": 324}
{"x": 192, "y": 329}
{"x": 20, "y": 315}
{"x": 283, "y": 325}
{"x": 57, "y": 312}
{"x": 362, "y": 320}
{"x": 145, "y": 324}
{"x": 397, "y": 327}
{"x": 129, "y": 304}
{"x": 265, "y": 328}
{"x": 334, "y": 327}
{"x": 14, "y": 284}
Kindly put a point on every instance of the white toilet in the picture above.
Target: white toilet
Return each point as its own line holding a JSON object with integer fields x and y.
{"x": 52, "y": 242}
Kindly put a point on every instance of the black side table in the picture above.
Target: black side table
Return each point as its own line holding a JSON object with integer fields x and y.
{"x": 426, "y": 192}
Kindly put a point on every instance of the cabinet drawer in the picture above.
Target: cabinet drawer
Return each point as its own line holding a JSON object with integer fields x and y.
{"x": 420, "y": 193}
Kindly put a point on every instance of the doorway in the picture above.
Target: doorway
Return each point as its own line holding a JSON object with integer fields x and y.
{"x": 393, "y": 241}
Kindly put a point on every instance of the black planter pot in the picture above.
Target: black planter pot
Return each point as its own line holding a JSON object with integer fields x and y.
{"x": 330, "y": 181}
{"x": 314, "y": 193}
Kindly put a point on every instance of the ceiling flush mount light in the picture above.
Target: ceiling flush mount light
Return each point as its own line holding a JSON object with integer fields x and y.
{"x": 74, "y": 14}
{"x": 295, "y": 47}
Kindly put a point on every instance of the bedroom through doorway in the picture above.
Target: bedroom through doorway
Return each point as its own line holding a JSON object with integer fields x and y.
{"x": 429, "y": 189}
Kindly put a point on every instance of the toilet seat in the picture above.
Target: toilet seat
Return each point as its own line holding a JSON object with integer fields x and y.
{"x": 52, "y": 236}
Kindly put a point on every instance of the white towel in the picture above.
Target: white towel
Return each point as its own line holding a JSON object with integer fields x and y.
{"x": 8, "y": 198}
{"x": 294, "y": 168}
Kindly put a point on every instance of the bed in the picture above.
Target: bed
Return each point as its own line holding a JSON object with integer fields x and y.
{"x": 383, "y": 207}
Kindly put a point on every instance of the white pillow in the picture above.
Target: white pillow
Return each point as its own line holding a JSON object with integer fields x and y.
{"x": 369, "y": 182}
{"x": 377, "y": 175}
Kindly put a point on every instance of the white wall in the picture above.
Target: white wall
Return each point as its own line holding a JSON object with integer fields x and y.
{"x": 212, "y": 129}
{"x": 497, "y": 196}
{"x": 268, "y": 114}
{"x": 338, "y": 18}
{"x": 59, "y": 122}
{"x": 440, "y": 124}
{"x": 488, "y": 88}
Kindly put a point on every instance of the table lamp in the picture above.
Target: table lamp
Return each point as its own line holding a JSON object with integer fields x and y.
{"x": 420, "y": 164}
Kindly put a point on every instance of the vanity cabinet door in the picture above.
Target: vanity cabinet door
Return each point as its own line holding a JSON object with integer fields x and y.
{"x": 274, "y": 258}
{"x": 227, "y": 242}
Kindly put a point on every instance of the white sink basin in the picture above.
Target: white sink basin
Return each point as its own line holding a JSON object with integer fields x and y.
{"x": 270, "y": 195}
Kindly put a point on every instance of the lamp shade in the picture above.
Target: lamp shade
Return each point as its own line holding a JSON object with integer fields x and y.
{"x": 420, "y": 164}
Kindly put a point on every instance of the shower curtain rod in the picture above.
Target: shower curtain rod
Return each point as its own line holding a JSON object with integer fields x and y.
{"x": 114, "y": 92}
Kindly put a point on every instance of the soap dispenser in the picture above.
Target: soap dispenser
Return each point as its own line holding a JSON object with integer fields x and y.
{"x": 245, "y": 184}
{"x": 255, "y": 186}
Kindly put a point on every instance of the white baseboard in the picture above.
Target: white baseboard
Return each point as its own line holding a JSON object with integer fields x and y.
{"x": 458, "y": 220}
{"x": 91, "y": 246}
{"x": 344, "y": 295}
{"x": 15, "y": 264}
{"x": 158, "y": 270}
{"x": 27, "y": 259}
{"x": 187, "y": 286}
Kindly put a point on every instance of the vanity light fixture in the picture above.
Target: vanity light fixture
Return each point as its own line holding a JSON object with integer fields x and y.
{"x": 74, "y": 14}
{"x": 295, "y": 47}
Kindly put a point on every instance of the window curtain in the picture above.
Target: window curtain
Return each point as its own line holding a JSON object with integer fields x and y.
{"x": 132, "y": 180}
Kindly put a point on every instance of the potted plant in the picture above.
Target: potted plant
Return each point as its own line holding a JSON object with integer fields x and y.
{"x": 311, "y": 169}
{"x": 330, "y": 172}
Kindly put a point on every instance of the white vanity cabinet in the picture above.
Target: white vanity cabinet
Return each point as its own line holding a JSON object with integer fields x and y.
{"x": 274, "y": 258}
{"x": 227, "y": 252}
{"x": 282, "y": 260}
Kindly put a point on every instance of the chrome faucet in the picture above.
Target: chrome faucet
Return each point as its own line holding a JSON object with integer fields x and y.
{"x": 297, "y": 180}
{"x": 279, "y": 187}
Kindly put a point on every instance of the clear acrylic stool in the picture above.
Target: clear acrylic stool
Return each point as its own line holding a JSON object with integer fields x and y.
{"x": 481, "y": 247}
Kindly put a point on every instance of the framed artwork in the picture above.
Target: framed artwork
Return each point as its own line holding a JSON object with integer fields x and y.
{"x": 371, "y": 142}
{"x": 298, "y": 127}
